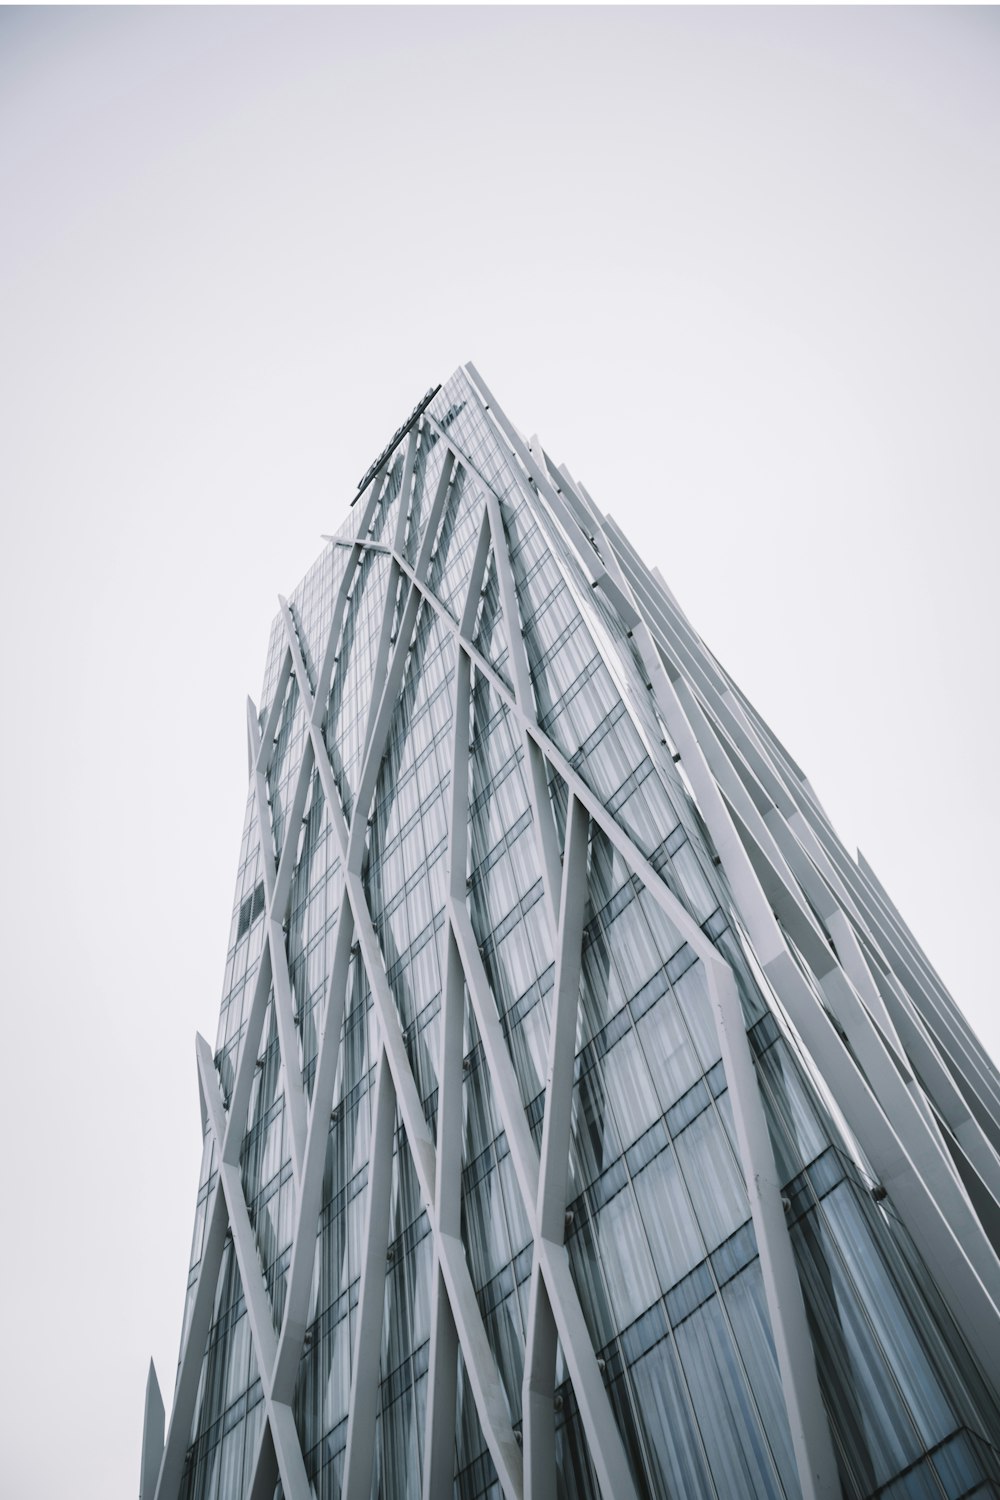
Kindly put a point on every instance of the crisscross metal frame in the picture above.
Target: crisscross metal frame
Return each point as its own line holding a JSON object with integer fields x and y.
{"x": 787, "y": 878}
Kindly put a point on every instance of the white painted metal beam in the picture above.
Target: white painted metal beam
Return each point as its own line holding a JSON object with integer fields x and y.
{"x": 361, "y": 1407}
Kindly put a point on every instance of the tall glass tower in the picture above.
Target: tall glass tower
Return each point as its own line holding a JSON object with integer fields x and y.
{"x": 583, "y": 1120}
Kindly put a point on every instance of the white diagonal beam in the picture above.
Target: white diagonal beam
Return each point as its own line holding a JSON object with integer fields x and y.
{"x": 291, "y": 1466}
{"x": 441, "y": 1415}
{"x": 253, "y": 736}
{"x": 507, "y": 1094}
{"x": 556, "y": 1126}
{"x": 439, "y": 1443}
{"x": 481, "y": 1374}
{"x": 467, "y": 619}
{"x": 239, "y": 1099}
{"x": 538, "y": 790}
{"x": 541, "y": 1336}
{"x": 267, "y": 734}
{"x": 310, "y": 1193}
{"x": 389, "y": 673}
{"x": 363, "y": 1401}
{"x": 264, "y": 1470}
{"x": 541, "y": 1341}
{"x": 244, "y": 1243}
{"x": 557, "y": 1305}
{"x": 607, "y": 1451}
{"x": 459, "y": 1308}
{"x": 288, "y": 1044}
{"x": 265, "y": 833}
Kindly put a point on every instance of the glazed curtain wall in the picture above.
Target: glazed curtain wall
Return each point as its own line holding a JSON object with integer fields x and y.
{"x": 467, "y": 668}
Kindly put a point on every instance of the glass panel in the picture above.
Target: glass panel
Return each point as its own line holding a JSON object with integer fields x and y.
{"x": 713, "y": 1178}
{"x": 675, "y": 1240}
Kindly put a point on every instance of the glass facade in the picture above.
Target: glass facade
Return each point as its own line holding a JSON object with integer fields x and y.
{"x": 498, "y": 1197}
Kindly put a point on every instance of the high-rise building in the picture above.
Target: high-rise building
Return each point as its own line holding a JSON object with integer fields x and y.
{"x": 583, "y": 1120}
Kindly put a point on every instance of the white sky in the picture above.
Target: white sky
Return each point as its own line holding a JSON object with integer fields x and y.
{"x": 738, "y": 269}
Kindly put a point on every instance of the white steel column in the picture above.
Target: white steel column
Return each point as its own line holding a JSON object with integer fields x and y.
{"x": 538, "y": 790}
{"x": 541, "y": 1336}
{"x": 441, "y": 1420}
{"x": 361, "y": 1408}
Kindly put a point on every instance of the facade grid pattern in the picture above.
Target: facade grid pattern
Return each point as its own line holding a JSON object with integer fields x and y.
{"x": 583, "y": 1120}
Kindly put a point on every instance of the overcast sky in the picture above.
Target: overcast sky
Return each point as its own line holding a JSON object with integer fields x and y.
{"x": 738, "y": 269}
